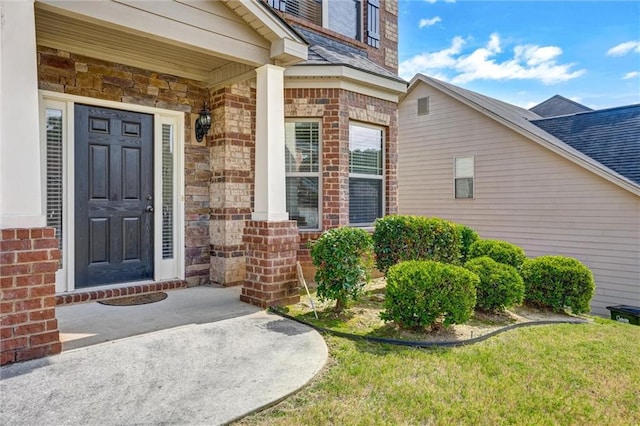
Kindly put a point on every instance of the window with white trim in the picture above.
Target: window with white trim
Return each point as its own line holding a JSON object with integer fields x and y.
{"x": 463, "y": 176}
{"x": 366, "y": 174}
{"x": 302, "y": 163}
{"x": 54, "y": 174}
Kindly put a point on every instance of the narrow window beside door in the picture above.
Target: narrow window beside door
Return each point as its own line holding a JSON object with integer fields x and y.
{"x": 167, "y": 191}
{"x": 54, "y": 173}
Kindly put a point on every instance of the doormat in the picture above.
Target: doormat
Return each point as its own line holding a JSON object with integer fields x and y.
{"x": 138, "y": 299}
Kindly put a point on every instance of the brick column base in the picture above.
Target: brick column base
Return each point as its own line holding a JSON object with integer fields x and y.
{"x": 28, "y": 264}
{"x": 271, "y": 263}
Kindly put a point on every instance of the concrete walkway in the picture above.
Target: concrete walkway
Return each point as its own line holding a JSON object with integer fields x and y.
{"x": 198, "y": 357}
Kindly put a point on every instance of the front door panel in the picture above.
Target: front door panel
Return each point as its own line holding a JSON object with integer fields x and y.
{"x": 113, "y": 196}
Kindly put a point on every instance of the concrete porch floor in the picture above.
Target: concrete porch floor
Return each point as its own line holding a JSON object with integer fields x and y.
{"x": 198, "y": 357}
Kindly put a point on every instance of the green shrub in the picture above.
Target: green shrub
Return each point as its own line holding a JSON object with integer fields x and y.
{"x": 500, "y": 284}
{"x": 500, "y": 251}
{"x": 558, "y": 282}
{"x": 467, "y": 237}
{"x": 400, "y": 238}
{"x": 342, "y": 257}
{"x": 428, "y": 293}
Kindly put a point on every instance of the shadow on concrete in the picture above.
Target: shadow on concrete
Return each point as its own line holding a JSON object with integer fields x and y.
{"x": 91, "y": 323}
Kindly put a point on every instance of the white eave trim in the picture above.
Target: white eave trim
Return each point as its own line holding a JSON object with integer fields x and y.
{"x": 287, "y": 47}
{"x": 343, "y": 72}
{"x": 550, "y": 142}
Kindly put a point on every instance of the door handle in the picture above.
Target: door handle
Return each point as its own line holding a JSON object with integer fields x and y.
{"x": 149, "y": 209}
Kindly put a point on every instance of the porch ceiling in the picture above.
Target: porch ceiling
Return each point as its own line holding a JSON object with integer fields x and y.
{"x": 61, "y": 29}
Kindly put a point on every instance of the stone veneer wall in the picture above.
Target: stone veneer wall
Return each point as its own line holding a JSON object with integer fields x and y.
{"x": 28, "y": 264}
{"x": 65, "y": 72}
{"x": 336, "y": 108}
{"x": 232, "y": 165}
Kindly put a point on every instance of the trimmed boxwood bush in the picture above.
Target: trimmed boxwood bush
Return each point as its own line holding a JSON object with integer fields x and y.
{"x": 500, "y": 251}
{"x": 426, "y": 293}
{"x": 342, "y": 257}
{"x": 467, "y": 237}
{"x": 400, "y": 238}
{"x": 558, "y": 282}
{"x": 500, "y": 285}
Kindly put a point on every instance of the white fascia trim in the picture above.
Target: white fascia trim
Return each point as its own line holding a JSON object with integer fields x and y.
{"x": 288, "y": 52}
{"x": 287, "y": 47}
{"x": 551, "y": 142}
{"x": 314, "y": 74}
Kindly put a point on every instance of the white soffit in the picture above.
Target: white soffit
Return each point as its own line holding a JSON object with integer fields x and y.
{"x": 344, "y": 77}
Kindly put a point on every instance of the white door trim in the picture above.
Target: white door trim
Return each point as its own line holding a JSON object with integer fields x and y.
{"x": 164, "y": 269}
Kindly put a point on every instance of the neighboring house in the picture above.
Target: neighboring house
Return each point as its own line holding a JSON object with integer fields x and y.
{"x": 558, "y": 105}
{"x": 567, "y": 185}
{"x": 102, "y": 141}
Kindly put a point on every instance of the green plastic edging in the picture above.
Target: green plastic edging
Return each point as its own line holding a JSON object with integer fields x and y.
{"x": 422, "y": 344}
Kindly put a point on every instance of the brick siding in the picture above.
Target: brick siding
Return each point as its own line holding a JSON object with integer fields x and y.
{"x": 28, "y": 264}
{"x": 336, "y": 108}
{"x": 271, "y": 263}
{"x": 232, "y": 183}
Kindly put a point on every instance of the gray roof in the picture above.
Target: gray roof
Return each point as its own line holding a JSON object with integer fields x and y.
{"x": 525, "y": 122}
{"x": 324, "y": 50}
{"x": 609, "y": 136}
{"x": 558, "y": 105}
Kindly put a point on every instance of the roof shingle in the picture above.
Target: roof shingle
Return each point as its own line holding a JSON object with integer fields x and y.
{"x": 609, "y": 136}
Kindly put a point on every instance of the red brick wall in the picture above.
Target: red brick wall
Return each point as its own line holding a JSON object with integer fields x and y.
{"x": 66, "y": 72}
{"x": 271, "y": 263}
{"x": 336, "y": 108}
{"x": 28, "y": 263}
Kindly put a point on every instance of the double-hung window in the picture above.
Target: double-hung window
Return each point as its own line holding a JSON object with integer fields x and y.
{"x": 366, "y": 174}
{"x": 463, "y": 177}
{"x": 302, "y": 162}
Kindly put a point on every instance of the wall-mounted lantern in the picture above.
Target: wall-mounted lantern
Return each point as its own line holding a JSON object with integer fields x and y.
{"x": 203, "y": 123}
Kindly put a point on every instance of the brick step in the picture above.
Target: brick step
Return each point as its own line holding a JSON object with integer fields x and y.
{"x": 95, "y": 295}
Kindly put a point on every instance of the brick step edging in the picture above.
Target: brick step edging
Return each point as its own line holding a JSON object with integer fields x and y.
{"x": 95, "y": 295}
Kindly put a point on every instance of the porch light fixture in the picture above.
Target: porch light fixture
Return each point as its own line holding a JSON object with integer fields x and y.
{"x": 203, "y": 123}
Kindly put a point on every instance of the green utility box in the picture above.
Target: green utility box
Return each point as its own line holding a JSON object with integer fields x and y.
{"x": 625, "y": 313}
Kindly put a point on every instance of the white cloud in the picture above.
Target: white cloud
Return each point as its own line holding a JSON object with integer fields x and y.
{"x": 624, "y": 48}
{"x": 630, "y": 75}
{"x": 429, "y": 22}
{"x": 528, "y": 62}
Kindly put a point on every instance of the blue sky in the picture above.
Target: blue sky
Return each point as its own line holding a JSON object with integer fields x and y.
{"x": 524, "y": 52}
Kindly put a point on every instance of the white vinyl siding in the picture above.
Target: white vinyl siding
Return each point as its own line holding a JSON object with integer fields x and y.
{"x": 530, "y": 196}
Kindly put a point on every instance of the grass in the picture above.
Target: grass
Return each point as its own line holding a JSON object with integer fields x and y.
{"x": 569, "y": 374}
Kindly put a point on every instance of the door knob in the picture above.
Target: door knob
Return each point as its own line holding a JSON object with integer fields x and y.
{"x": 149, "y": 209}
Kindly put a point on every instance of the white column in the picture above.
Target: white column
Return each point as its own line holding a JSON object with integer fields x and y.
{"x": 270, "y": 185}
{"x": 20, "y": 176}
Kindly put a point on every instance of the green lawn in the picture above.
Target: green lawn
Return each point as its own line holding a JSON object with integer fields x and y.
{"x": 586, "y": 374}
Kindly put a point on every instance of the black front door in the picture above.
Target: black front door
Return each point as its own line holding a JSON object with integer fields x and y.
{"x": 113, "y": 196}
